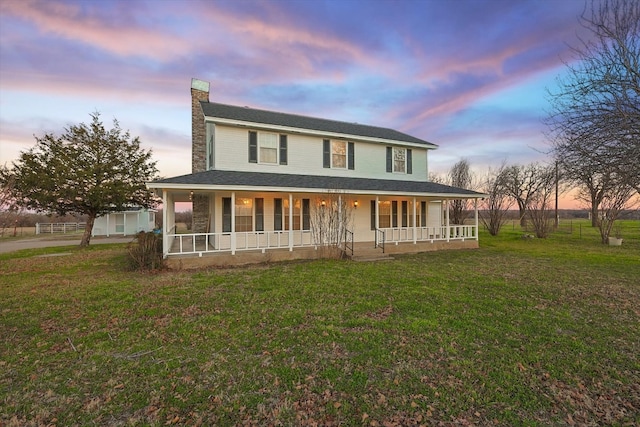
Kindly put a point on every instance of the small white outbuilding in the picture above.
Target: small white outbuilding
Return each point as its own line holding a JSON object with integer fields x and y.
{"x": 125, "y": 223}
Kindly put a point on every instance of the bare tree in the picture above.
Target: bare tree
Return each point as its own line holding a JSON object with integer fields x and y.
{"x": 539, "y": 208}
{"x": 613, "y": 203}
{"x": 493, "y": 209}
{"x": 459, "y": 176}
{"x": 522, "y": 182}
{"x": 593, "y": 187}
{"x": 437, "y": 178}
{"x": 594, "y": 120}
{"x": 330, "y": 219}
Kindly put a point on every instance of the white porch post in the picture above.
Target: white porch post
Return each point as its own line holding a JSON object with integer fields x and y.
{"x": 290, "y": 222}
{"x": 476, "y": 218}
{"x": 341, "y": 223}
{"x": 233, "y": 223}
{"x": 446, "y": 218}
{"x": 376, "y": 213}
{"x": 165, "y": 226}
{"x": 107, "y": 225}
{"x": 124, "y": 221}
{"x": 415, "y": 228}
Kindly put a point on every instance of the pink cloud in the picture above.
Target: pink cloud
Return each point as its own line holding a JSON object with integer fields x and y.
{"x": 120, "y": 38}
{"x": 286, "y": 46}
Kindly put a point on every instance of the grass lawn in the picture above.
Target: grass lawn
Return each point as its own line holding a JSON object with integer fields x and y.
{"x": 518, "y": 332}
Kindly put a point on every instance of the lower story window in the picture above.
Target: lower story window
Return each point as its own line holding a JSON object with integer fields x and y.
{"x": 389, "y": 211}
{"x": 384, "y": 214}
{"x": 244, "y": 214}
{"x": 248, "y": 214}
{"x": 300, "y": 215}
{"x": 295, "y": 217}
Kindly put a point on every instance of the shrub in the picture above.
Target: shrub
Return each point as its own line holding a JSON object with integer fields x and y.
{"x": 145, "y": 252}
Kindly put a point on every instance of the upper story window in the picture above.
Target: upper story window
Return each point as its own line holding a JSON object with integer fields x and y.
{"x": 211, "y": 133}
{"x": 399, "y": 160}
{"x": 267, "y": 148}
{"x": 338, "y": 154}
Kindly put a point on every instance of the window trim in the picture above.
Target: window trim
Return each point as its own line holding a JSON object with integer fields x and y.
{"x": 262, "y": 136}
{"x": 256, "y": 145}
{"x": 344, "y": 145}
{"x": 404, "y": 160}
{"x": 391, "y": 160}
{"x": 210, "y": 145}
{"x": 349, "y": 154}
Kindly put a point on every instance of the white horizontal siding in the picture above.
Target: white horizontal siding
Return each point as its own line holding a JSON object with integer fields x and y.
{"x": 360, "y": 216}
{"x": 305, "y": 157}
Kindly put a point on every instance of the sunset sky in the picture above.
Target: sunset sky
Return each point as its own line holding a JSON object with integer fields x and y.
{"x": 469, "y": 76}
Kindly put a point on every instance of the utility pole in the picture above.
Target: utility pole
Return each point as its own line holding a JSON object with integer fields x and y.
{"x": 557, "y": 221}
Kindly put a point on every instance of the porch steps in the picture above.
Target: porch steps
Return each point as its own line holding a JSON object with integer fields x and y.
{"x": 368, "y": 254}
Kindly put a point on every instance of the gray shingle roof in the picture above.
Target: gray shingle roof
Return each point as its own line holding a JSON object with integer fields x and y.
{"x": 284, "y": 181}
{"x": 252, "y": 115}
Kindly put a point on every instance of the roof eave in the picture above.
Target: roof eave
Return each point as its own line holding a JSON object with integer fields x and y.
{"x": 254, "y": 188}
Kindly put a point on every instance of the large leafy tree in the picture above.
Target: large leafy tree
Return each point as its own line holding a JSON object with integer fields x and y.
{"x": 595, "y": 110}
{"x": 88, "y": 170}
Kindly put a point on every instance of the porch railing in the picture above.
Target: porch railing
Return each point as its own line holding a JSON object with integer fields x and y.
{"x": 199, "y": 243}
{"x": 348, "y": 241}
{"x": 380, "y": 238}
{"x": 422, "y": 234}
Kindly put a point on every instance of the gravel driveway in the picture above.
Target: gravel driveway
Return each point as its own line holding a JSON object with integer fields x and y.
{"x": 45, "y": 242}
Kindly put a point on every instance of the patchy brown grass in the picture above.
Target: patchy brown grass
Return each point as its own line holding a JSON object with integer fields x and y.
{"x": 515, "y": 333}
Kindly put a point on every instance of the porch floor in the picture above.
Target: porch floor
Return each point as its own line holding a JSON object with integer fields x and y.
{"x": 362, "y": 251}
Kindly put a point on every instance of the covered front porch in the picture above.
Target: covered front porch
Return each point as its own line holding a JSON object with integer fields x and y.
{"x": 244, "y": 227}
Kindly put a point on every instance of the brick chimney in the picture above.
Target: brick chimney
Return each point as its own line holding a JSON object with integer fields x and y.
{"x": 200, "y": 202}
{"x": 199, "y": 92}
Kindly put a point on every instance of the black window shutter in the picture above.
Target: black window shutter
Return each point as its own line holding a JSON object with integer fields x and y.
{"x": 373, "y": 214}
{"x": 394, "y": 212}
{"x": 226, "y": 214}
{"x": 351, "y": 155}
{"x": 389, "y": 159}
{"x": 283, "y": 149}
{"x": 409, "y": 165}
{"x": 253, "y": 147}
{"x": 405, "y": 211}
{"x": 259, "y": 214}
{"x": 306, "y": 214}
{"x": 326, "y": 153}
{"x": 277, "y": 214}
{"x": 423, "y": 214}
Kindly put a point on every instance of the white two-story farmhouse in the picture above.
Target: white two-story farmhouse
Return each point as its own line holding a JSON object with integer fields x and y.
{"x": 270, "y": 186}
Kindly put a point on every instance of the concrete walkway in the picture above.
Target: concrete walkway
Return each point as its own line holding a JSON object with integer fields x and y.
{"x": 45, "y": 242}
